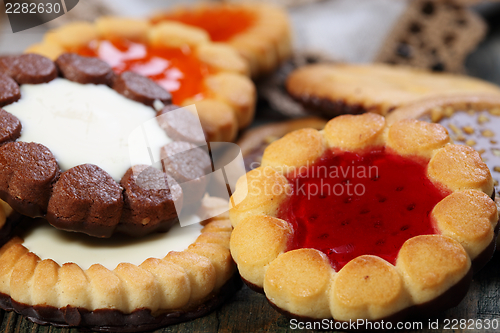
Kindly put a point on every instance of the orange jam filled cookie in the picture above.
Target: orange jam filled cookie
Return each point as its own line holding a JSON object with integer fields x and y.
{"x": 259, "y": 32}
{"x": 363, "y": 220}
{"x": 180, "y": 58}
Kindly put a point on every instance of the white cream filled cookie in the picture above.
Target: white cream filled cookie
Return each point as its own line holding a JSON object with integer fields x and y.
{"x": 86, "y": 123}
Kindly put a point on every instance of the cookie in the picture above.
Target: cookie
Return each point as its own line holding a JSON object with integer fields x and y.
{"x": 349, "y": 222}
{"x": 260, "y": 32}
{"x": 179, "y": 58}
{"x": 334, "y": 89}
{"x": 117, "y": 285}
{"x": 86, "y": 172}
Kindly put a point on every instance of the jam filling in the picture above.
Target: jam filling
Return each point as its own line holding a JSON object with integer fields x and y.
{"x": 177, "y": 70}
{"x": 222, "y": 24}
{"x": 347, "y": 205}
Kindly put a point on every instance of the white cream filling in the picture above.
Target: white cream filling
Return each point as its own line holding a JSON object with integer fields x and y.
{"x": 48, "y": 242}
{"x": 87, "y": 123}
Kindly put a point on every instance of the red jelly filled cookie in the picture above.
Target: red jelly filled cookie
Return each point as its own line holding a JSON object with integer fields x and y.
{"x": 364, "y": 221}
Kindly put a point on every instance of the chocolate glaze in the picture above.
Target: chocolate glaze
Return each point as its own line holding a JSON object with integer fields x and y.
{"x": 107, "y": 320}
{"x": 328, "y": 108}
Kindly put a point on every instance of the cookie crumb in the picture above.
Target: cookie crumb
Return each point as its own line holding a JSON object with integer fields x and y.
{"x": 488, "y": 133}
{"x": 482, "y": 119}
{"x": 470, "y": 142}
{"x": 468, "y": 129}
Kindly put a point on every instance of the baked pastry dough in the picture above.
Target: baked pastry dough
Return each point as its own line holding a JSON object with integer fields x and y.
{"x": 353, "y": 278}
{"x": 227, "y": 99}
{"x": 160, "y": 291}
{"x": 334, "y": 89}
{"x": 259, "y": 31}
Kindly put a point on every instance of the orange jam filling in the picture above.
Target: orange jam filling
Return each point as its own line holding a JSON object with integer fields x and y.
{"x": 222, "y": 24}
{"x": 177, "y": 70}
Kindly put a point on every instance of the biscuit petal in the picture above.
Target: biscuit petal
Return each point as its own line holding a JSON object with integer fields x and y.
{"x": 296, "y": 149}
{"x": 460, "y": 167}
{"x": 259, "y": 192}
{"x": 367, "y": 287}
{"x": 298, "y": 282}
{"x": 469, "y": 217}
{"x": 410, "y": 137}
{"x": 354, "y": 133}
{"x": 256, "y": 242}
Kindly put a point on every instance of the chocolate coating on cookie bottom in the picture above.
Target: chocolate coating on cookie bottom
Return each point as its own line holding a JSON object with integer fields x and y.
{"x": 140, "y": 89}
{"x": 10, "y": 90}
{"x": 86, "y": 199}
{"x": 27, "y": 172}
{"x": 29, "y": 68}
{"x": 10, "y": 127}
{"x": 149, "y": 203}
{"x": 107, "y": 320}
{"x": 85, "y": 70}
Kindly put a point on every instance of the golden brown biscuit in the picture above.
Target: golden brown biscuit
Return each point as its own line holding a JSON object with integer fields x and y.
{"x": 157, "y": 292}
{"x": 333, "y": 89}
{"x": 370, "y": 260}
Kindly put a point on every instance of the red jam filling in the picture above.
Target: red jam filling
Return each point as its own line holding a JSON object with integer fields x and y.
{"x": 347, "y": 205}
{"x": 177, "y": 70}
{"x": 222, "y": 24}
